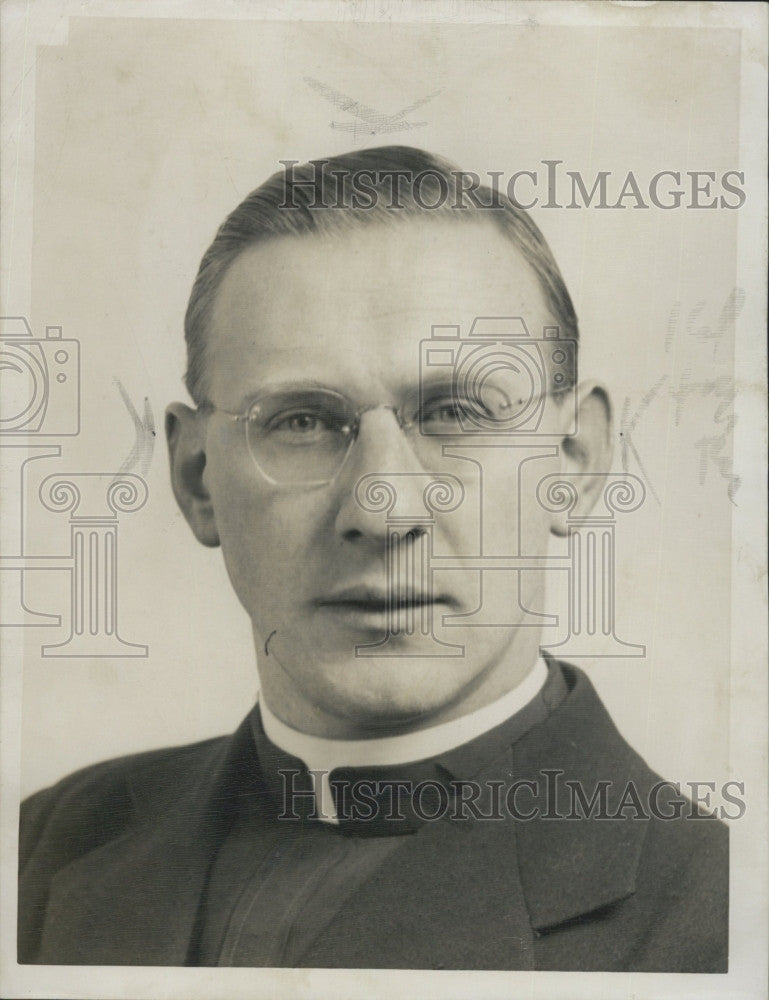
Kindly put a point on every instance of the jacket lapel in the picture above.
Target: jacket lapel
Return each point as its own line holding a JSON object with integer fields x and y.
{"x": 570, "y": 867}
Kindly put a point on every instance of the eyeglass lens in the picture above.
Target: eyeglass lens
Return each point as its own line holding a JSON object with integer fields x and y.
{"x": 303, "y": 435}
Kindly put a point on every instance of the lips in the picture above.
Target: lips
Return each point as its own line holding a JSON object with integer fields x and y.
{"x": 382, "y": 609}
{"x": 375, "y": 597}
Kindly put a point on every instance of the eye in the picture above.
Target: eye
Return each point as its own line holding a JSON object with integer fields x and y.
{"x": 482, "y": 405}
{"x": 300, "y": 423}
{"x": 442, "y": 411}
{"x": 301, "y": 426}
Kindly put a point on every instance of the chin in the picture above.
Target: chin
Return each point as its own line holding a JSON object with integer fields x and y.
{"x": 395, "y": 698}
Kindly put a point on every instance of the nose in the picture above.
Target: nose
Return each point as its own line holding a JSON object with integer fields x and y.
{"x": 381, "y": 454}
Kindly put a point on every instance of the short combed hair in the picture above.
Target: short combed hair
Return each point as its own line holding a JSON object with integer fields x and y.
{"x": 320, "y": 198}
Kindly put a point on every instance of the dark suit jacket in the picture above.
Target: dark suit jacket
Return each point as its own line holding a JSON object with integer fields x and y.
{"x": 114, "y": 861}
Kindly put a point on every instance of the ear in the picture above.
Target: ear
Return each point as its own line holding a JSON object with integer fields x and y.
{"x": 187, "y": 455}
{"x": 588, "y": 452}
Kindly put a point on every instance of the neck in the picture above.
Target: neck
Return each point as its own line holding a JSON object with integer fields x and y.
{"x": 401, "y": 748}
{"x": 337, "y": 717}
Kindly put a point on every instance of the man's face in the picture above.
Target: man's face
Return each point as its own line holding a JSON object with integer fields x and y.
{"x": 310, "y": 565}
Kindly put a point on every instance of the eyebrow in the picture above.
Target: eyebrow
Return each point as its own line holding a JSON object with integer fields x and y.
{"x": 429, "y": 381}
{"x": 295, "y": 385}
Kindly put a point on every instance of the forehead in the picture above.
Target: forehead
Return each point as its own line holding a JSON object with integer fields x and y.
{"x": 349, "y": 310}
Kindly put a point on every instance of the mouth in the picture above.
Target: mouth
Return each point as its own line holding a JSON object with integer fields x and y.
{"x": 395, "y": 610}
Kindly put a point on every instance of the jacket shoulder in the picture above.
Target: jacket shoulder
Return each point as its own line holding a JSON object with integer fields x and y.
{"x": 88, "y": 809}
{"x": 96, "y": 803}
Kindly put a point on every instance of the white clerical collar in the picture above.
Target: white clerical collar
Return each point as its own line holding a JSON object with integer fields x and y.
{"x": 322, "y": 755}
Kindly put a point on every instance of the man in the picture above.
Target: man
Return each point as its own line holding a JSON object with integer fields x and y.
{"x": 393, "y": 800}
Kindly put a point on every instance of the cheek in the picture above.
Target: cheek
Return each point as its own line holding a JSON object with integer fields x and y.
{"x": 241, "y": 535}
{"x": 243, "y": 516}
{"x": 267, "y": 541}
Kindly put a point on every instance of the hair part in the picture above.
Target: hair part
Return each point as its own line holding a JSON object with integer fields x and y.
{"x": 325, "y": 196}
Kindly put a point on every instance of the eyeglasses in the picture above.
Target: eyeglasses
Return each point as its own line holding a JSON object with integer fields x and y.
{"x": 303, "y": 435}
